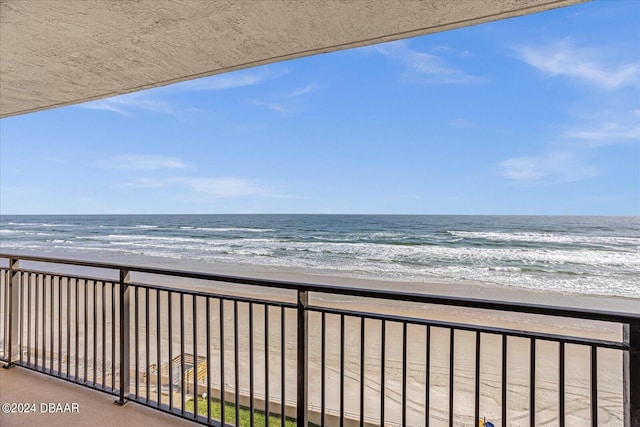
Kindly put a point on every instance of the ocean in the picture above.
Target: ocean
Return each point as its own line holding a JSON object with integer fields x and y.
{"x": 578, "y": 255}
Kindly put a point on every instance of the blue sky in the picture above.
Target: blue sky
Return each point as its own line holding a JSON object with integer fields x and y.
{"x": 532, "y": 115}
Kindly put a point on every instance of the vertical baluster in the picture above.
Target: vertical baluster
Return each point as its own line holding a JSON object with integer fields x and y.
{"x": 68, "y": 328}
{"x": 158, "y": 347}
{"x": 236, "y": 356}
{"x": 451, "y": 374}
{"x": 504, "y": 379}
{"x": 323, "y": 379}
{"x": 561, "y": 384}
{"x": 170, "y": 342}
{"x": 195, "y": 355}
{"x": 51, "y": 300}
{"x": 251, "y": 417}
{"x": 341, "y": 370}
{"x": 302, "y": 358}
{"x": 125, "y": 332}
{"x": 477, "y": 380}
{"x": 404, "y": 373}
{"x": 146, "y": 344}
{"x": 28, "y": 317}
{"x": 266, "y": 365}
{"x": 60, "y": 326}
{"x": 182, "y": 367}
{"x": 362, "y": 342}
{"x": 104, "y": 330}
{"x": 136, "y": 339}
{"x": 5, "y": 319}
{"x": 95, "y": 333}
{"x": 113, "y": 336}
{"x": 29, "y": 300}
{"x": 383, "y": 345}
{"x": 594, "y": 385}
{"x": 77, "y": 332}
{"x": 21, "y": 310}
{"x": 630, "y": 369}
{"x": 427, "y": 376}
{"x": 532, "y": 382}
{"x": 43, "y": 279}
{"x": 223, "y": 400}
{"x": 35, "y": 319}
{"x": 86, "y": 329}
{"x": 208, "y": 332}
{"x": 282, "y": 367}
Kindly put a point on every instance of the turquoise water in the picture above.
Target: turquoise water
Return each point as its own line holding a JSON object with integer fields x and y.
{"x": 585, "y": 255}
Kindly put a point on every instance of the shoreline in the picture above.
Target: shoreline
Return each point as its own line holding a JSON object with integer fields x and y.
{"x": 441, "y": 313}
{"x": 463, "y": 289}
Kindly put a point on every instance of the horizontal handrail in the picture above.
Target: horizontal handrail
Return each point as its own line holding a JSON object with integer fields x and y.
{"x": 471, "y": 328}
{"x": 274, "y": 303}
{"x": 516, "y": 307}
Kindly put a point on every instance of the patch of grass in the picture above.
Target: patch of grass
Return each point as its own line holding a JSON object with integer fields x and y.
{"x": 245, "y": 415}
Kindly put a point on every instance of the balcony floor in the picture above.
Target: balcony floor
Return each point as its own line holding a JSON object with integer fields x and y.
{"x": 19, "y": 385}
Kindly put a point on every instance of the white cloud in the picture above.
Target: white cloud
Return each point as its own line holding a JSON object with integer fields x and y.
{"x": 607, "y": 133}
{"x": 453, "y": 50}
{"x": 110, "y": 104}
{"x": 276, "y": 107}
{"x": 555, "y": 167}
{"x": 424, "y": 67}
{"x": 146, "y": 162}
{"x": 226, "y": 81}
{"x": 123, "y": 104}
{"x": 144, "y": 183}
{"x": 562, "y": 59}
{"x": 303, "y": 90}
{"x": 224, "y": 187}
{"x": 286, "y": 104}
{"x": 216, "y": 187}
{"x": 151, "y": 99}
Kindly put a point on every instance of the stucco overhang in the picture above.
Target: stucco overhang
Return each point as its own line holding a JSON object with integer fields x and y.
{"x": 61, "y": 52}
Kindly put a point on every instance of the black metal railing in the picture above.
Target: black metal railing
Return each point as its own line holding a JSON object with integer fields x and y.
{"x": 224, "y": 350}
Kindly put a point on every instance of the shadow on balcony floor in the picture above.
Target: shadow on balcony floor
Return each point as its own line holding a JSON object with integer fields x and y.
{"x": 22, "y": 387}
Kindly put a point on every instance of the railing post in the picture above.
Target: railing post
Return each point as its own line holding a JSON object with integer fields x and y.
{"x": 632, "y": 375}
{"x": 124, "y": 336}
{"x": 303, "y": 356}
{"x": 13, "y": 346}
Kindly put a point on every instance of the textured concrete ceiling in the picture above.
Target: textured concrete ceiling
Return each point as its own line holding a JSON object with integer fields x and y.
{"x": 62, "y": 52}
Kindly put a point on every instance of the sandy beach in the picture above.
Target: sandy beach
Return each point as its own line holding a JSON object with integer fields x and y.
{"x": 577, "y": 368}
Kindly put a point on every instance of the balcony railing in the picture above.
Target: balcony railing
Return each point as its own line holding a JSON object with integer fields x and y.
{"x": 224, "y": 350}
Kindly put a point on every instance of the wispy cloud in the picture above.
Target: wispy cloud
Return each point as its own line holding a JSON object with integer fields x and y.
{"x": 301, "y": 91}
{"x": 146, "y": 162}
{"x": 588, "y": 65}
{"x": 607, "y": 133}
{"x": 288, "y": 103}
{"x": 153, "y": 99}
{"x": 550, "y": 168}
{"x": 125, "y": 104}
{"x": 225, "y": 187}
{"x": 143, "y": 183}
{"x": 226, "y": 81}
{"x": 210, "y": 187}
{"x": 275, "y": 107}
{"x": 424, "y": 67}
